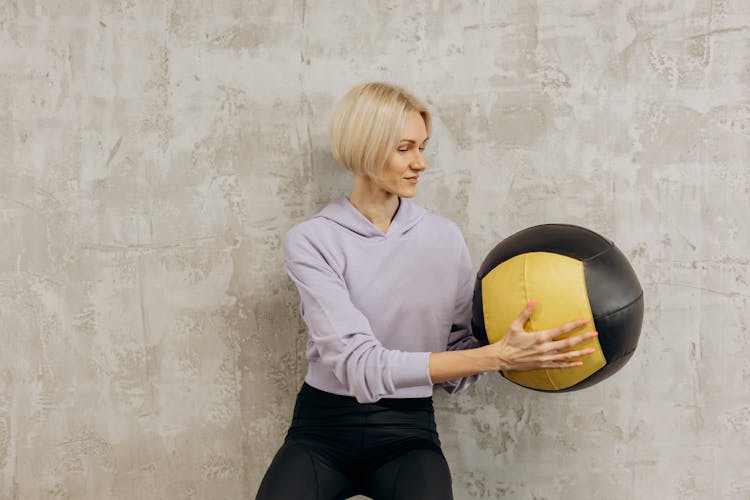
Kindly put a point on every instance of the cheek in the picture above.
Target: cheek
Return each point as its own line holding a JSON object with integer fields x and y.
{"x": 394, "y": 170}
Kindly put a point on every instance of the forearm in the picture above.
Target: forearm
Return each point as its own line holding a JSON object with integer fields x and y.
{"x": 452, "y": 365}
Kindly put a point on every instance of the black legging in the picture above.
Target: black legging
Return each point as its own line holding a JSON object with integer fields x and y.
{"x": 337, "y": 448}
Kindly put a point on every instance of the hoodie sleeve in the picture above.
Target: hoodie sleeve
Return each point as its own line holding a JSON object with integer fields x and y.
{"x": 342, "y": 334}
{"x": 460, "y": 337}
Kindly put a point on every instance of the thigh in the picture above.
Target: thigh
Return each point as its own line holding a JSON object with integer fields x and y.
{"x": 415, "y": 475}
{"x": 297, "y": 472}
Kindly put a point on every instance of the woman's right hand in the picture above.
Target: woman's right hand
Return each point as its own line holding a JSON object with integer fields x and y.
{"x": 523, "y": 350}
{"x": 517, "y": 350}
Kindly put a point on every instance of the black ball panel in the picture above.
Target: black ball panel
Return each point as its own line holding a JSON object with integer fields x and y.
{"x": 564, "y": 239}
{"x": 619, "y": 331}
{"x": 477, "y": 314}
{"x": 610, "y": 281}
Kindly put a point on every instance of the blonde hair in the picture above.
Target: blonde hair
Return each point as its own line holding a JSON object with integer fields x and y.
{"x": 368, "y": 124}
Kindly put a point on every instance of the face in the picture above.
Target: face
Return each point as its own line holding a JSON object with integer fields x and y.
{"x": 401, "y": 172}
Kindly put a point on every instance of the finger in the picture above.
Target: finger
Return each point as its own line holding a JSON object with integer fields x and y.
{"x": 564, "y": 365}
{"x": 557, "y": 332}
{"x": 563, "y": 357}
{"x": 567, "y": 359}
{"x": 561, "y": 345}
{"x": 578, "y": 354}
{"x": 522, "y": 318}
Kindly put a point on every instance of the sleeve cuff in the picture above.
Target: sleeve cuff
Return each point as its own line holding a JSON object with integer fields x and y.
{"x": 414, "y": 370}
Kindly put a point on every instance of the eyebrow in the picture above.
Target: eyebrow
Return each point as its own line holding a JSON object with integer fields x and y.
{"x": 412, "y": 141}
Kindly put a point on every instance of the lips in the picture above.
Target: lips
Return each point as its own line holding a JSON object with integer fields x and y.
{"x": 413, "y": 180}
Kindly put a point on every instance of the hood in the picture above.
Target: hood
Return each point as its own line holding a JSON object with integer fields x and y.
{"x": 343, "y": 213}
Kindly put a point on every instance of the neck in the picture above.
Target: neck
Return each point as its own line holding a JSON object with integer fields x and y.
{"x": 377, "y": 205}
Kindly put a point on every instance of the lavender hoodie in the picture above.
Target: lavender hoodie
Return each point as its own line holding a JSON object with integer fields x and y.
{"x": 377, "y": 304}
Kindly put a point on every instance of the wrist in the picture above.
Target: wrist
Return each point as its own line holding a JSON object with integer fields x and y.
{"x": 494, "y": 359}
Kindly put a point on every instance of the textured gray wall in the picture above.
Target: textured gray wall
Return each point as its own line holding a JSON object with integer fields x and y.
{"x": 154, "y": 153}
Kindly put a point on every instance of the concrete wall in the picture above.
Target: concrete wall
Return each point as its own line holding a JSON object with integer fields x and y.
{"x": 155, "y": 152}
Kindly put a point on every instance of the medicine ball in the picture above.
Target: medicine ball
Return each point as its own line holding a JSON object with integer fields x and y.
{"x": 571, "y": 273}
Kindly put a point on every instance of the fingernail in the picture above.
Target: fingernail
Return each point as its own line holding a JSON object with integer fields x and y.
{"x": 531, "y": 302}
{"x": 590, "y": 351}
{"x": 584, "y": 321}
{"x": 594, "y": 334}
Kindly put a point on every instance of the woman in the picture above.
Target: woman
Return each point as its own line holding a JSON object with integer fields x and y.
{"x": 385, "y": 290}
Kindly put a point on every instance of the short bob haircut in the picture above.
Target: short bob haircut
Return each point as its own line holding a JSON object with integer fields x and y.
{"x": 368, "y": 124}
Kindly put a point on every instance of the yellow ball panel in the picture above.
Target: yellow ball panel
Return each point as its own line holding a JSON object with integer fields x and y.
{"x": 557, "y": 285}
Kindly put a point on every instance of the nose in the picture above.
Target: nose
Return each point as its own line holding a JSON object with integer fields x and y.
{"x": 418, "y": 162}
